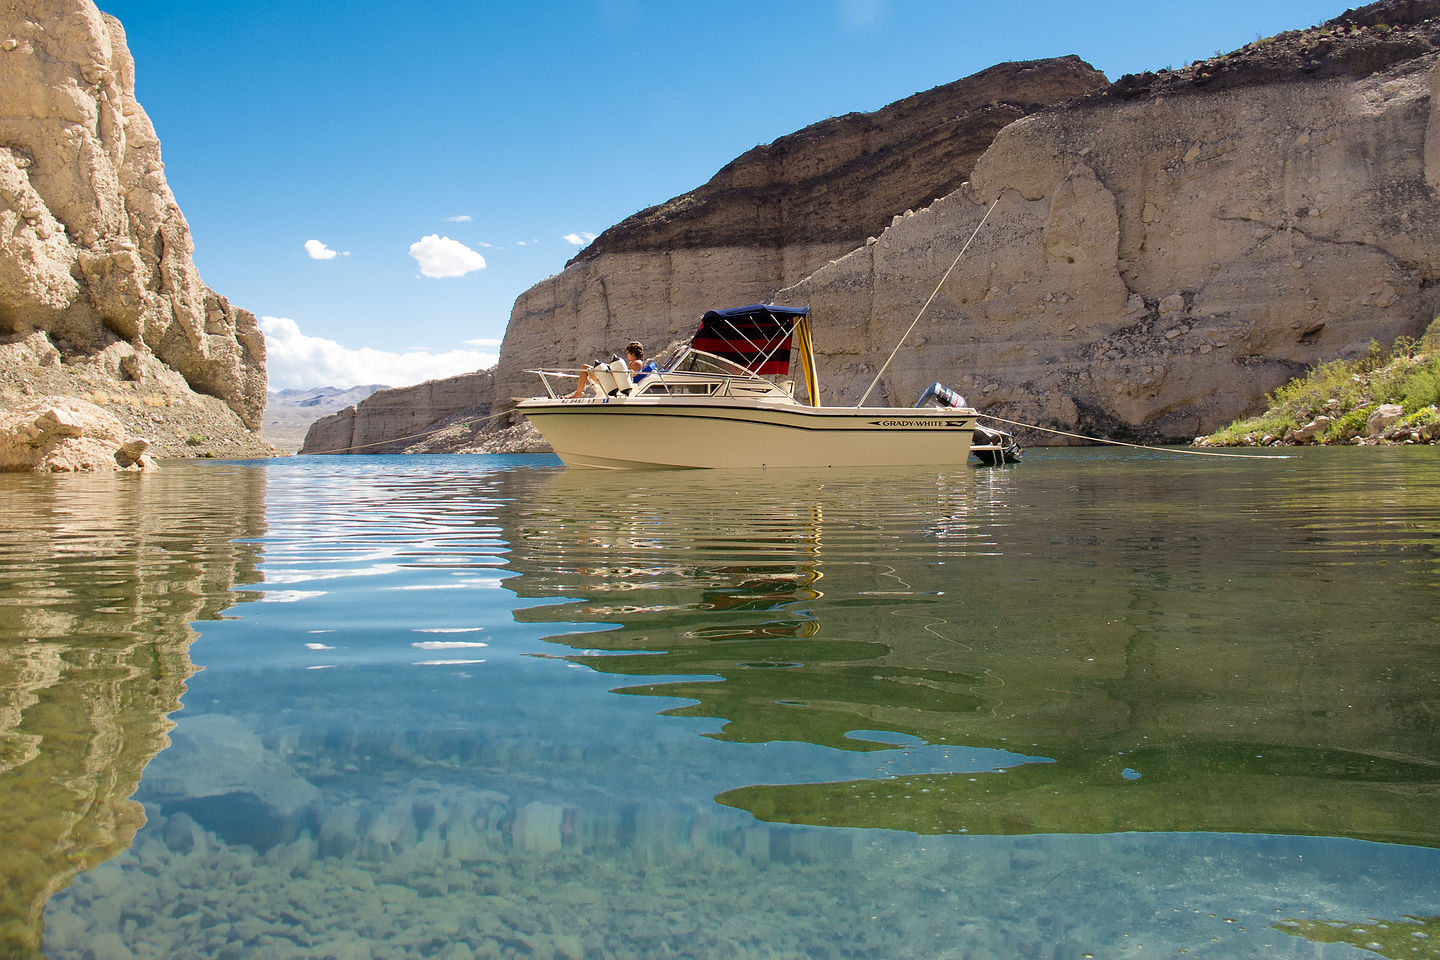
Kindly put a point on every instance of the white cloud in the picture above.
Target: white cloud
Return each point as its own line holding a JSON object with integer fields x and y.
{"x": 442, "y": 257}
{"x": 462, "y": 218}
{"x": 318, "y": 251}
{"x": 579, "y": 239}
{"x": 861, "y": 16}
{"x": 297, "y": 361}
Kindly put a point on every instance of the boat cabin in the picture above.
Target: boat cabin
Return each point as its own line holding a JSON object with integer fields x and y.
{"x": 733, "y": 353}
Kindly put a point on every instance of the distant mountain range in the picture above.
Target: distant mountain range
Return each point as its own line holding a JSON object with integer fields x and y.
{"x": 289, "y": 413}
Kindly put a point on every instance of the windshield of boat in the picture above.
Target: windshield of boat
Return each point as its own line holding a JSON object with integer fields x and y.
{"x": 698, "y": 361}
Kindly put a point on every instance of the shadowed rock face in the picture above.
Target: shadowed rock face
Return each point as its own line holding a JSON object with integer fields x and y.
{"x": 841, "y": 180}
{"x": 96, "y": 255}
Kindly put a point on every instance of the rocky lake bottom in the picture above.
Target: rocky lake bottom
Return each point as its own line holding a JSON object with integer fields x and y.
{"x": 1098, "y": 704}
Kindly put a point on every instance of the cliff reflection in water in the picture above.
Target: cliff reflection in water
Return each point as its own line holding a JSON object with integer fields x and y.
{"x": 1194, "y": 649}
{"x": 102, "y": 577}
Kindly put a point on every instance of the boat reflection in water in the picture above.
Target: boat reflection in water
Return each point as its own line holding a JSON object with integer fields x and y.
{"x": 734, "y": 593}
{"x": 1175, "y": 677}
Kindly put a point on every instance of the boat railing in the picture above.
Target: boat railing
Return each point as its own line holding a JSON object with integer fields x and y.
{"x": 545, "y": 374}
{"x": 716, "y": 377}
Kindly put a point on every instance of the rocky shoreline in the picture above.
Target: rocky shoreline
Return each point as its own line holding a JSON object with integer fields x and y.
{"x": 107, "y": 402}
{"x": 108, "y": 335}
{"x": 1384, "y": 397}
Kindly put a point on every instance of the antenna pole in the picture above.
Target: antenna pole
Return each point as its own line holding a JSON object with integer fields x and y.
{"x": 886, "y": 365}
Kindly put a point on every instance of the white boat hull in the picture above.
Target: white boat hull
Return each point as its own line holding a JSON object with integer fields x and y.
{"x": 626, "y": 433}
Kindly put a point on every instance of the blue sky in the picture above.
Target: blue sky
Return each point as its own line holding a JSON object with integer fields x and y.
{"x": 406, "y": 144}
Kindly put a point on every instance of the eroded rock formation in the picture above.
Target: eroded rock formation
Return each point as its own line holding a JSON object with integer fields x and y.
{"x": 394, "y": 421}
{"x": 95, "y": 255}
{"x": 68, "y": 435}
{"x": 1166, "y": 252}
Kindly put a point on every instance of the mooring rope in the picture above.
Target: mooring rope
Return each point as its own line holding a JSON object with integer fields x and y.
{"x": 926, "y": 305}
{"x": 1137, "y": 446}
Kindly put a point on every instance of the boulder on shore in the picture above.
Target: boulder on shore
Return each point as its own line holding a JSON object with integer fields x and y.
{"x": 65, "y": 434}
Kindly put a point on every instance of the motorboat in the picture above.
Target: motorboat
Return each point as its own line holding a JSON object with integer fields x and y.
{"x": 726, "y": 399}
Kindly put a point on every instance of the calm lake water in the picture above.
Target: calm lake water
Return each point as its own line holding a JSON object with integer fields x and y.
{"x": 1099, "y": 704}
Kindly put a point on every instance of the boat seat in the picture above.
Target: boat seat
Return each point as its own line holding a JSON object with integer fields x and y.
{"x": 603, "y": 378}
{"x": 617, "y": 378}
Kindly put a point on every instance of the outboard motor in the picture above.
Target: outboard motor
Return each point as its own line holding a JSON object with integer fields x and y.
{"x": 994, "y": 447}
{"x": 991, "y": 446}
{"x": 939, "y": 395}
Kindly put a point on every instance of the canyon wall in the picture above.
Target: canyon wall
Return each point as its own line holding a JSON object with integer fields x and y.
{"x": 1166, "y": 252}
{"x": 394, "y": 420}
{"x": 1163, "y": 251}
{"x": 98, "y": 289}
{"x": 770, "y": 218}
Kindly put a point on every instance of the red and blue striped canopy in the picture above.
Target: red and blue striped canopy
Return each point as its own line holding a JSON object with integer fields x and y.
{"x": 757, "y": 337}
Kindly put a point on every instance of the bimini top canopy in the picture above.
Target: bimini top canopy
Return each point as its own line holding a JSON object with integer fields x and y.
{"x": 757, "y": 337}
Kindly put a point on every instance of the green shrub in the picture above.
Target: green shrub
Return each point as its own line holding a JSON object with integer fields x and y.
{"x": 1430, "y": 339}
{"x": 1420, "y": 418}
{"x": 1420, "y": 388}
{"x": 1408, "y": 374}
{"x": 1351, "y": 424}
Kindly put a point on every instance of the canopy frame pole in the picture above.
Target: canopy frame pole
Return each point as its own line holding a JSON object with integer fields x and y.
{"x": 774, "y": 342}
{"x": 926, "y": 305}
{"x": 805, "y": 343}
{"x": 777, "y": 341}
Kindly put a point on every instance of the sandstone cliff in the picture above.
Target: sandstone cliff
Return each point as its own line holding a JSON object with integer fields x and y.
{"x": 766, "y": 220}
{"x": 98, "y": 290}
{"x": 1167, "y": 251}
{"x": 403, "y": 420}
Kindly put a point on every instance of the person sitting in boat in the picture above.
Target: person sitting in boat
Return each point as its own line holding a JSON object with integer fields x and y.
{"x": 634, "y": 360}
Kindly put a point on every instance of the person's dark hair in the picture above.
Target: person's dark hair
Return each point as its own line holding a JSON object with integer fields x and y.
{"x": 637, "y": 348}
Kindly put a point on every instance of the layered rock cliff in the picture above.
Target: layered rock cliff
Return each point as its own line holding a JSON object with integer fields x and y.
{"x": 1167, "y": 251}
{"x": 404, "y": 419}
{"x": 99, "y": 295}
